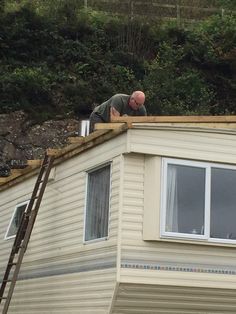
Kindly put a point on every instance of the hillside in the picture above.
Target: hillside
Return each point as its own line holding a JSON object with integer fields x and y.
{"x": 58, "y": 61}
{"x": 22, "y": 140}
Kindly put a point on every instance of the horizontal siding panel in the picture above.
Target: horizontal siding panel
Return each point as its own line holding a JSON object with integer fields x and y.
{"x": 75, "y": 293}
{"x": 142, "y": 254}
{"x": 177, "y": 278}
{"x": 56, "y": 246}
{"x": 164, "y": 299}
{"x": 92, "y": 158}
{"x": 21, "y": 193}
{"x": 195, "y": 145}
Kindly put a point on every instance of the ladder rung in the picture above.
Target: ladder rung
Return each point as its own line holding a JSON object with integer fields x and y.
{"x": 25, "y": 229}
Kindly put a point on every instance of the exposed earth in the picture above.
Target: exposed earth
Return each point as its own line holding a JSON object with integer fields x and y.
{"x": 21, "y": 139}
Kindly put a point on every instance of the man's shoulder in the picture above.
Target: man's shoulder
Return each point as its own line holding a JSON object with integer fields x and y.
{"x": 118, "y": 101}
{"x": 120, "y": 96}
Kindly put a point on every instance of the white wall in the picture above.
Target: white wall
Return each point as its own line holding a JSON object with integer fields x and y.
{"x": 169, "y": 261}
{"x": 61, "y": 274}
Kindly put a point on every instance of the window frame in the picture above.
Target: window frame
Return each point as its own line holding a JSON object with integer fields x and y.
{"x": 12, "y": 217}
{"x": 207, "y": 202}
{"x": 91, "y": 170}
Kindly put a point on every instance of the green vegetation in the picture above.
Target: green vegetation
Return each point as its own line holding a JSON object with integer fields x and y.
{"x": 60, "y": 60}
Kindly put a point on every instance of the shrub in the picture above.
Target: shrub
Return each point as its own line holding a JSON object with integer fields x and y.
{"x": 25, "y": 88}
{"x": 174, "y": 89}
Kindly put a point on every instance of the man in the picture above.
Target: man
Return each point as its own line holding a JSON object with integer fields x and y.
{"x": 118, "y": 105}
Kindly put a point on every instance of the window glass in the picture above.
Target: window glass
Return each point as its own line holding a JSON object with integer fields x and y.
{"x": 185, "y": 203}
{"x": 223, "y": 203}
{"x": 199, "y": 200}
{"x": 15, "y": 221}
{"x": 97, "y": 207}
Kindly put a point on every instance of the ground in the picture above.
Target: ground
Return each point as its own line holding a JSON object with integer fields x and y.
{"x": 21, "y": 139}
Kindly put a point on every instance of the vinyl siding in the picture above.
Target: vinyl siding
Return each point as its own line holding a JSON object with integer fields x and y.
{"x": 84, "y": 292}
{"x": 158, "y": 299}
{"x": 172, "y": 260}
{"x": 56, "y": 252}
{"x": 184, "y": 144}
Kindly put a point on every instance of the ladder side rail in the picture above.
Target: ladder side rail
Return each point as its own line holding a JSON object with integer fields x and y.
{"x": 17, "y": 241}
{"x": 36, "y": 186}
{"x": 25, "y": 229}
{"x": 34, "y": 211}
{"x": 21, "y": 230}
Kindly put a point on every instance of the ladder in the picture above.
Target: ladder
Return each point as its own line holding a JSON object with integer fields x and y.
{"x": 23, "y": 233}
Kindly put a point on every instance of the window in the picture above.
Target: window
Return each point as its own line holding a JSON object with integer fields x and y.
{"x": 15, "y": 220}
{"x": 97, "y": 205}
{"x": 199, "y": 201}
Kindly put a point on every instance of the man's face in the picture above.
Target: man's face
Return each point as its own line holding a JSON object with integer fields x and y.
{"x": 134, "y": 103}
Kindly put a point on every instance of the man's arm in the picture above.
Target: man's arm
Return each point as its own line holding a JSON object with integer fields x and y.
{"x": 114, "y": 112}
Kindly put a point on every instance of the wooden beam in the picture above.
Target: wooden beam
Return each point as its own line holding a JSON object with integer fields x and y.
{"x": 15, "y": 173}
{"x": 3, "y": 180}
{"x": 76, "y": 140}
{"x": 68, "y": 148}
{"x": 211, "y": 125}
{"x": 93, "y": 139}
{"x": 176, "y": 119}
{"x": 34, "y": 162}
{"x": 110, "y": 126}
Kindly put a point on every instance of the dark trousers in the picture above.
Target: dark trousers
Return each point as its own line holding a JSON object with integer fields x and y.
{"x": 94, "y": 118}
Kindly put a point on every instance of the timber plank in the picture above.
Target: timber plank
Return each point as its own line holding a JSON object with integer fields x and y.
{"x": 179, "y": 119}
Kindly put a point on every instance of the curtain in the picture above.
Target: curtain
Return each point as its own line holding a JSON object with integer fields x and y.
{"x": 172, "y": 200}
{"x": 97, "y": 210}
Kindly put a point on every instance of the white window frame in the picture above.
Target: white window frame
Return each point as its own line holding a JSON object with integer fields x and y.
{"x": 12, "y": 217}
{"x": 207, "y": 166}
{"x": 109, "y": 202}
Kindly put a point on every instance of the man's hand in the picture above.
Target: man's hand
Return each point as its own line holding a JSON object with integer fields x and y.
{"x": 114, "y": 112}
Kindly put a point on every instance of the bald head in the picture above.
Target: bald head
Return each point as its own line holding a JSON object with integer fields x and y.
{"x": 137, "y": 99}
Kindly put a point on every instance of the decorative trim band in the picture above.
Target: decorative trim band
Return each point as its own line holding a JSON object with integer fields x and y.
{"x": 178, "y": 268}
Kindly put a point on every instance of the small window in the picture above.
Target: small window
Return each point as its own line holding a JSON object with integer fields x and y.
{"x": 199, "y": 201}
{"x": 97, "y": 205}
{"x": 15, "y": 220}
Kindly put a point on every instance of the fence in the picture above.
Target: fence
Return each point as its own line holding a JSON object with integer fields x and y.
{"x": 162, "y": 9}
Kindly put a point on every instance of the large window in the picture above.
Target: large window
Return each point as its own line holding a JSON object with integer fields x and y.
{"x": 198, "y": 201}
{"x": 97, "y": 205}
{"x": 15, "y": 220}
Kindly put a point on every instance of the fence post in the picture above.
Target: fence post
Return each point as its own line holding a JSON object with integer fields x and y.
{"x": 178, "y": 17}
{"x": 131, "y": 9}
{"x": 222, "y": 13}
{"x": 85, "y": 4}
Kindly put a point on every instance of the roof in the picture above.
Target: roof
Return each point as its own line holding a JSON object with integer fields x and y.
{"x": 107, "y": 131}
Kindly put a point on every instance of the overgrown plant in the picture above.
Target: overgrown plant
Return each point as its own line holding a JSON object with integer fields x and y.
{"x": 64, "y": 63}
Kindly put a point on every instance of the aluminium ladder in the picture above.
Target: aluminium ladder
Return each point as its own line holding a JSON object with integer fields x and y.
{"x": 23, "y": 233}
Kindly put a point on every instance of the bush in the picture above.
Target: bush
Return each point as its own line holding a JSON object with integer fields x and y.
{"x": 26, "y": 88}
{"x": 175, "y": 89}
{"x": 58, "y": 58}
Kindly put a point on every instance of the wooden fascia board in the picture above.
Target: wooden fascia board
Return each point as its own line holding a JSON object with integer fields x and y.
{"x": 69, "y": 151}
{"x": 90, "y": 141}
{"x": 175, "y": 119}
{"x": 189, "y": 127}
{"x": 76, "y": 140}
{"x": 6, "y": 182}
{"x": 111, "y": 126}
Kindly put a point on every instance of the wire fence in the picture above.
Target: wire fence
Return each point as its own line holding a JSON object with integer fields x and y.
{"x": 180, "y": 10}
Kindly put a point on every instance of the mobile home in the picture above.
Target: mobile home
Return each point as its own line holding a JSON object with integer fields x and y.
{"x": 138, "y": 217}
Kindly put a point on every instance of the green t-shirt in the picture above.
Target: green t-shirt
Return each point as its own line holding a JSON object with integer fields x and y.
{"x": 120, "y": 103}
